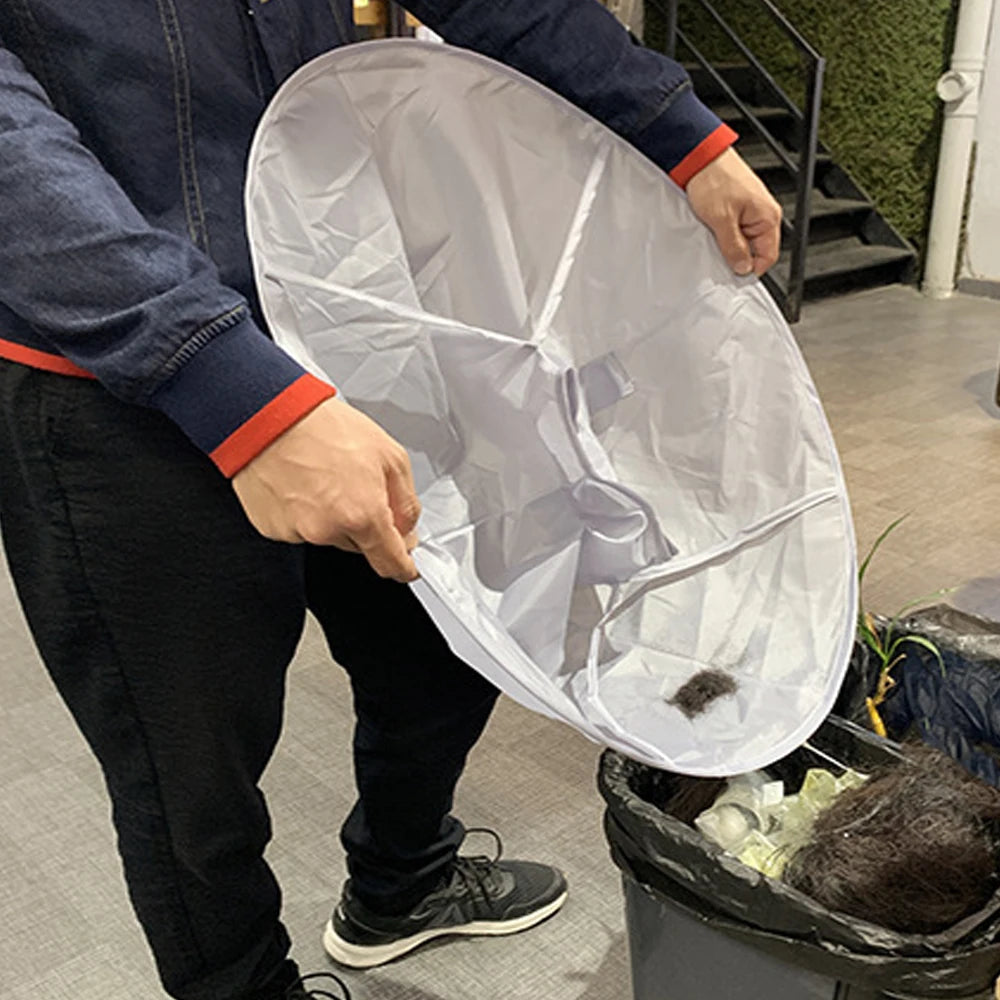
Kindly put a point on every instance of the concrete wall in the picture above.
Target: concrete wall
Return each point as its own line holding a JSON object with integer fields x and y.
{"x": 981, "y": 258}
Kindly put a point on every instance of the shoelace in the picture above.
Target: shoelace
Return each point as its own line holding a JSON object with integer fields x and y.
{"x": 298, "y": 990}
{"x": 479, "y": 872}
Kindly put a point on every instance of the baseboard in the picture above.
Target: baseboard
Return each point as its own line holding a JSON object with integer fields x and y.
{"x": 976, "y": 286}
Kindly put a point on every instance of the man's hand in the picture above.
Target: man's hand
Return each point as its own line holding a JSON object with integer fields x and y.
{"x": 733, "y": 202}
{"x": 336, "y": 478}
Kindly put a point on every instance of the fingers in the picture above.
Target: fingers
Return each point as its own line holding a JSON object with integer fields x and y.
{"x": 750, "y": 241}
{"x": 734, "y": 245}
{"x": 402, "y": 494}
{"x": 391, "y": 556}
{"x": 389, "y": 536}
{"x": 336, "y": 478}
{"x": 763, "y": 231}
{"x": 766, "y": 251}
{"x": 742, "y": 214}
{"x": 386, "y": 551}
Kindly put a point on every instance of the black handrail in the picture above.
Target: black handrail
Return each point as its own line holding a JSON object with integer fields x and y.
{"x": 803, "y": 172}
{"x": 396, "y": 26}
{"x": 772, "y": 84}
{"x": 797, "y": 39}
{"x": 762, "y": 130}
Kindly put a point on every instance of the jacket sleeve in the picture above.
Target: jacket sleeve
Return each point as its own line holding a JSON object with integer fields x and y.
{"x": 578, "y": 49}
{"x": 138, "y": 308}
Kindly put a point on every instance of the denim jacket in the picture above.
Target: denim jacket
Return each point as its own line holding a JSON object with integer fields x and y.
{"x": 124, "y": 130}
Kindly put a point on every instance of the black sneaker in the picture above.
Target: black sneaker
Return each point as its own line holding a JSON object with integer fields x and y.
{"x": 318, "y": 985}
{"x": 287, "y": 984}
{"x": 479, "y": 896}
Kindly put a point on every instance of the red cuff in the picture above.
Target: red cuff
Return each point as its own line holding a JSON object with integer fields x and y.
{"x": 712, "y": 146}
{"x": 270, "y": 422}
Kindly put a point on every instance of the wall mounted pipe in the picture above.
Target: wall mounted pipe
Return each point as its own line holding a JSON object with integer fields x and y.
{"x": 959, "y": 89}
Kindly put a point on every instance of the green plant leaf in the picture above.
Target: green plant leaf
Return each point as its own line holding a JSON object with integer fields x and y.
{"x": 875, "y": 545}
{"x": 871, "y": 640}
{"x": 886, "y": 646}
{"x": 927, "y": 644}
{"x": 887, "y": 641}
{"x": 894, "y": 621}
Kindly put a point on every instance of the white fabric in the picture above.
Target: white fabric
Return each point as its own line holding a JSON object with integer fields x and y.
{"x": 625, "y": 472}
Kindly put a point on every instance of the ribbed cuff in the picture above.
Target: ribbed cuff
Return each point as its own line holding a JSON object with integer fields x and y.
{"x": 685, "y": 138}
{"x": 703, "y": 154}
{"x": 270, "y": 422}
{"x": 237, "y": 394}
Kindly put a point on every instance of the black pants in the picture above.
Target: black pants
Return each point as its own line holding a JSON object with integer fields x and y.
{"x": 167, "y": 624}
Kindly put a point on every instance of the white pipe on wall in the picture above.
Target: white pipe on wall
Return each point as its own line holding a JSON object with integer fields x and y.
{"x": 959, "y": 89}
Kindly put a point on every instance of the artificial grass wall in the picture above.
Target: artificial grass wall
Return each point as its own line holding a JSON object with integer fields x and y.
{"x": 881, "y": 119}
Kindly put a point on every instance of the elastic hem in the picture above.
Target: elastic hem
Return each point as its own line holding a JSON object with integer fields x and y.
{"x": 34, "y": 358}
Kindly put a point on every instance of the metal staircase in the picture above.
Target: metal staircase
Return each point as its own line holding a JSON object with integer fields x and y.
{"x": 833, "y": 236}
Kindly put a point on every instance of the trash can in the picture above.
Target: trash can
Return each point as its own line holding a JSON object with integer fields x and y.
{"x": 702, "y": 925}
{"x": 679, "y": 952}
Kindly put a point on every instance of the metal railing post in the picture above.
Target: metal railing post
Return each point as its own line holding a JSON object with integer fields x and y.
{"x": 789, "y": 296}
{"x": 803, "y": 194}
{"x": 395, "y": 21}
{"x": 672, "y": 28}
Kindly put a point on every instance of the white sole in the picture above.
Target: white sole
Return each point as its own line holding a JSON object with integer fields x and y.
{"x": 358, "y": 956}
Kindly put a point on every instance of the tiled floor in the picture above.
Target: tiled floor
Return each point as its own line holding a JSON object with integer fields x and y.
{"x": 908, "y": 385}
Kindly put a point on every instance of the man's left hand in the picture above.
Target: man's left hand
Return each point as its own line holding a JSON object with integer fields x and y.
{"x": 734, "y": 203}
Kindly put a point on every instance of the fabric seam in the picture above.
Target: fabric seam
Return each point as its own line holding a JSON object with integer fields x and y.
{"x": 666, "y": 103}
{"x": 190, "y": 189}
{"x": 201, "y": 338}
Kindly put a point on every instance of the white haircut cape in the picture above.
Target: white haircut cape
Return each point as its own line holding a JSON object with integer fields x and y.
{"x": 626, "y": 475}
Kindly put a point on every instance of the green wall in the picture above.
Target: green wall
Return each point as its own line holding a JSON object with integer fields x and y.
{"x": 881, "y": 118}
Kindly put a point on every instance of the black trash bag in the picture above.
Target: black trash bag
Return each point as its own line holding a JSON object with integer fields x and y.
{"x": 957, "y": 633}
{"x": 955, "y": 709}
{"x": 675, "y": 860}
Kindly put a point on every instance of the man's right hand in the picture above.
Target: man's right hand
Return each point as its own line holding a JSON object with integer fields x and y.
{"x": 336, "y": 478}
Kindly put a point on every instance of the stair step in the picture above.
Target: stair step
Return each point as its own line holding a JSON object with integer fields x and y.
{"x": 830, "y": 219}
{"x": 741, "y": 77}
{"x": 760, "y": 157}
{"x": 822, "y": 206}
{"x": 732, "y": 115}
{"x": 847, "y": 263}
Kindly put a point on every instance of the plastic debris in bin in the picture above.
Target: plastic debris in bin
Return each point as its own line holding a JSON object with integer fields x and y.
{"x": 694, "y": 912}
{"x": 634, "y": 518}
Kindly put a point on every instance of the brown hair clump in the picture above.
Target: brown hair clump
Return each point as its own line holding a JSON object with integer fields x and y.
{"x": 697, "y": 693}
{"x": 914, "y": 849}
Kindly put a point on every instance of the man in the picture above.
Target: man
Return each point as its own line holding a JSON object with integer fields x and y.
{"x": 167, "y": 604}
